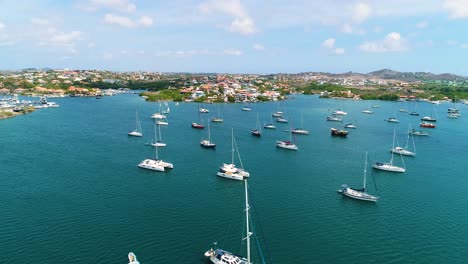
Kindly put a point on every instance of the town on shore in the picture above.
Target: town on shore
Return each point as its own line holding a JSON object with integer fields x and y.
{"x": 212, "y": 87}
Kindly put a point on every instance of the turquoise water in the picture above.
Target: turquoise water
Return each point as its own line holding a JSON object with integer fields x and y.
{"x": 71, "y": 191}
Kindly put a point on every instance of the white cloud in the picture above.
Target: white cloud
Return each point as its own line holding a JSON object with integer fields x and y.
{"x": 243, "y": 23}
{"x": 124, "y": 21}
{"x": 91, "y": 45}
{"x": 339, "y": 51}
{"x": 65, "y": 39}
{"x": 234, "y": 52}
{"x": 2, "y": 26}
{"x": 347, "y": 28}
{"x": 120, "y": 5}
{"x": 329, "y": 43}
{"x": 422, "y": 24}
{"x": 183, "y": 53}
{"x": 244, "y": 26}
{"x": 145, "y": 21}
{"x": 464, "y": 45}
{"x": 39, "y": 21}
{"x": 456, "y": 8}
{"x": 393, "y": 42}
{"x": 257, "y": 46}
{"x": 119, "y": 20}
{"x": 360, "y": 12}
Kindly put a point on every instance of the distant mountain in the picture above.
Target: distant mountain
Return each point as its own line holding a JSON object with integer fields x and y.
{"x": 413, "y": 76}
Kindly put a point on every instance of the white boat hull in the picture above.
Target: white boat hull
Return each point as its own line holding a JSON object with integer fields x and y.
{"x": 135, "y": 134}
{"x": 388, "y": 167}
{"x": 300, "y": 132}
{"x": 158, "y": 144}
{"x": 403, "y": 151}
{"x": 156, "y": 165}
{"x": 283, "y": 145}
{"x": 359, "y": 195}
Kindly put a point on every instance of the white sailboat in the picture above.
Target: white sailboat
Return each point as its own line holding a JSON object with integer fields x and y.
{"x": 367, "y": 111}
{"x": 258, "y": 130}
{"x": 359, "y": 194}
{"x": 300, "y": 130}
{"x": 405, "y": 150}
{"x": 230, "y": 171}
{"x": 158, "y": 140}
{"x": 221, "y": 256}
{"x": 206, "y": 143}
{"x": 155, "y": 164}
{"x": 218, "y": 118}
{"x": 287, "y": 144}
{"x": 269, "y": 125}
{"x": 137, "y": 132}
{"x": 389, "y": 166}
{"x": 166, "y": 110}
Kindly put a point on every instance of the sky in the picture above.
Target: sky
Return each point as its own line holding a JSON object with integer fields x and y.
{"x": 236, "y": 36}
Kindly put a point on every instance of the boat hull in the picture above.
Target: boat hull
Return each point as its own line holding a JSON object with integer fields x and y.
{"x": 388, "y": 167}
{"x": 135, "y": 134}
{"x": 362, "y": 196}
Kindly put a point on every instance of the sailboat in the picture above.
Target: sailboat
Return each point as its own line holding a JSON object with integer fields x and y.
{"x": 158, "y": 140}
{"x": 230, "y": 171}
{"x": 404, "y": 109}
{"x": 198, "y": 125}
{"x": 269, "y": 125}
{"x": 404, "y": 150}
{"x": 367, "y": 111}
{"x": 415, "y": 113}
{"x": 393, "y": 119}
{"x": 287, "y": 144}
{"x": 359, "y": 194}
{"x": 453, "y": 112}
{"x": 137, "y": 132}
{"x": 429, "y": 118}
{"x": 389, "y": 166}
{"x": 203, "y": 109}
{"x": 158, "y": 115}
{"x": 218, "y": 118}
{"x": 167, "y": 110}
{"x": 301, "y": 130}
{"x": 155, "y": 164}
{"x": 206, "y": 143}
{"x": 258, "y": 130}
{"x": 221, "y": 256}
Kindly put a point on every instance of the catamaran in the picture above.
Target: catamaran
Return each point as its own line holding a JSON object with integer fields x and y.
{"x": 389, "y": 166}
{"x": 230, "y": 171}
{"x": 155, "y": 164}
{"x": 359, "y": 194}
{"x": 206, "y": 143}
{"x": 137, "y": 132}
{"x": 221, "y": 256}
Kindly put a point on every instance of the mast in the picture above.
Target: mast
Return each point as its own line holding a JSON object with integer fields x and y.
{"x": 247, "y": 208}
{"x": 232, "y": 145}
{"x": 365, "y": 173}
{"x": 155, "y": 135}
{"x": 393, "y": 146}
{"x": 159, "y": 133}
{"x": 156, "y": 147}
{"x": 209, "y": 136}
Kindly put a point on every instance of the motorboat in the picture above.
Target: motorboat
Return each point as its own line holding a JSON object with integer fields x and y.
{"x": 339, "y": 132}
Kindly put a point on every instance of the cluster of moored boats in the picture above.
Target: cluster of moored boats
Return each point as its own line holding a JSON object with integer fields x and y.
{"x": 232, "y": 171}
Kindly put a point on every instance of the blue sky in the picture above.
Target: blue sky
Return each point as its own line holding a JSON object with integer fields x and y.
{"x": 236, "y": 36}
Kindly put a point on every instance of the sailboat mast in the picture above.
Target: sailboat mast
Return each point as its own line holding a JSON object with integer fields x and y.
{"x": 156, "y": 147}
{"x": 365, "y": 173}
{"x": 159, "y": 133}
{"x": 232, "y": 145}
{"x": 247, "y": 208}
{"x": 393, "y": 146}
{"x": 209, "y": 136}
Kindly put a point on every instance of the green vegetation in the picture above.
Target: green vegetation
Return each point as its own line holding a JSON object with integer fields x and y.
{"x": 437, "y": 91}
{"x": 315, "y": 87}
{"x": 5, "y": 114}
{"x": 28, "y": 109}
{"x": 163, "y": 95}
{"x": 378, "y": 96}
